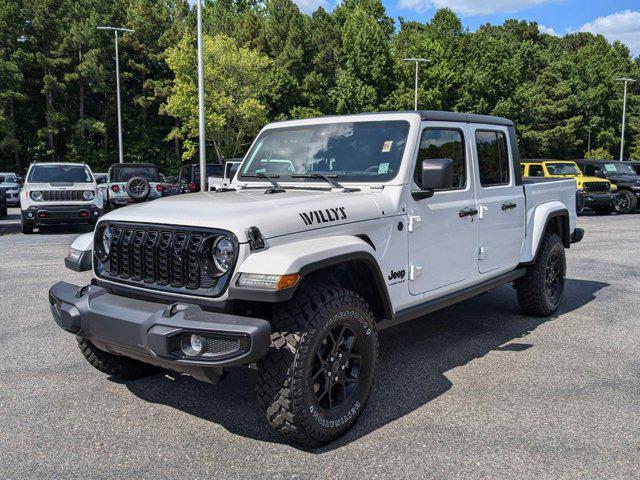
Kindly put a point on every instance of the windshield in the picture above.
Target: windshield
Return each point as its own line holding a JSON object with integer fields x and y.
{"x": 8, "y": 179}
{"x": 563, "y": 169}
{"x": 619, "y": 168}
{"x": 124, "y": 174}
{"x": 60, "y": 174}
{"x": 355, "y": 151}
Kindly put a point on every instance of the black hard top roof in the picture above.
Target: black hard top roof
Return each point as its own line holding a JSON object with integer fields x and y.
{"x": 594, "y": 161}
{"x": 439, "y": 116}
{"x": 138, "y": 165}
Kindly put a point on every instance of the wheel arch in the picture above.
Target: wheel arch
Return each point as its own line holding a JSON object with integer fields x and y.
{"x": 546, "y": 219}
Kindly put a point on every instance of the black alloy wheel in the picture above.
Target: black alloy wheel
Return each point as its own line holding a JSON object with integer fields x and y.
{"x": 338, "y": 367}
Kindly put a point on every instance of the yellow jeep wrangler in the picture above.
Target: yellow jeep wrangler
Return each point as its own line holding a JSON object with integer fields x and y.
{"x": 599, "y": 194}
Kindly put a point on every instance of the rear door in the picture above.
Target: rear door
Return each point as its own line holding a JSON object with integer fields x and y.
{"x": 501, "y": 202}
{"x": 442, "y": 241}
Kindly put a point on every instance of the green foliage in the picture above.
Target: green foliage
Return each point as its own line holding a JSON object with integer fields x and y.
{"x": 598, "y": 154}
{"x": 265, "y": 60}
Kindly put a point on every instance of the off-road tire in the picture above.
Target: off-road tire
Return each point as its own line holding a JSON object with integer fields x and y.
{"x": 138, "y": 189}
{"x": 284, "y": 386}
{"x": 114, "y": 365}
{"x": 627, "y": 202}
{"x": 533, "y": 295}
{"x": 602, "y": 210}
{"x": 27, "y": 228}
{"x": 4, "y": 211}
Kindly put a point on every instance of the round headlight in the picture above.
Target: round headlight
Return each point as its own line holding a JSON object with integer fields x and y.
{"x": 37, "y": 196}
{"x": 87, "y": 195}
{"x": 104, "y": 243}
{"x": 222, "y": 252}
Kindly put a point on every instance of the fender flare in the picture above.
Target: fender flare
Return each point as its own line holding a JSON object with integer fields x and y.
{"x": 539, "y": 223}
{"x": 80, "y": 254}
{"x": 306, "y": 257}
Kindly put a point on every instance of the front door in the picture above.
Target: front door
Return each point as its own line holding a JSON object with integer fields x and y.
{"x": 443, "y": 228}
{"x": 501, "y": 202}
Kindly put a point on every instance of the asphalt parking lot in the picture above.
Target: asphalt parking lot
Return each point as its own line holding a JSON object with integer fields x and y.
{"x": 475, "y": 391}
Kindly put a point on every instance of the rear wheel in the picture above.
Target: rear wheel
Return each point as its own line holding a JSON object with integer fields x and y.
{"x": 627, "y": 202}
{"x": 314, "y": 382}
{"x": 541, "y": 289}
{"x": 114, "y": 365}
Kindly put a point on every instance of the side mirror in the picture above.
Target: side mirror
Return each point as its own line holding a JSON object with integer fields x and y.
{"x": 230, "y": 169}
{"x": 435, "y": 174}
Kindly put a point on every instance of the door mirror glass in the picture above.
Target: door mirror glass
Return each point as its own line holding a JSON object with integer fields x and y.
{"x": 230, "y": 169}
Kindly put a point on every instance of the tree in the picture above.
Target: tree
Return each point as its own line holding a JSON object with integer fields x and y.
{"x": 238, "y": 83}
{"x": 598, "y": 154}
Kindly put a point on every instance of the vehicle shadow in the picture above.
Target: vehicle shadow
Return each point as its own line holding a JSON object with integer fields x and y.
{"x": 414, "y": 360}
{"x": 10, "y": 225}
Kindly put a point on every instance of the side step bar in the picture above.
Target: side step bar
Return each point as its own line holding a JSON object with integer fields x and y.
{"x": 450, "y": 299}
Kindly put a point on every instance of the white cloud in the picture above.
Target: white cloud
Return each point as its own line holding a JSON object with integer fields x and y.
{"x": 310, "y": 6}
{"x": 473, "y": 7}
{"x": 623, "y": 26}
{"x": 548, "y": 30}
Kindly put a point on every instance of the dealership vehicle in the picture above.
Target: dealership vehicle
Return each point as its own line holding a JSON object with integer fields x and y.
{"x": 189, "y": 177}
{"x": 59, "y": 194}
{"x": 11, "y": 184}
{"x": 134, "y": 183}
{"x": 230, "y": 170}
{"x": 386, "y": 217}
{"x": 622, "y": 175}
{"x": 3, "y": 203}
{"x": 599, "y": 194}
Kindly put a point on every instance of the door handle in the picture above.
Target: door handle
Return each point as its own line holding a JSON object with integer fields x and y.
{"x": 508, "y": 206}
{"x": 468, "y": 212}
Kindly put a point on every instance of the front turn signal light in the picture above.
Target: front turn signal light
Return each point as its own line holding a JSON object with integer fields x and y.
{"x": 267, "y": 281}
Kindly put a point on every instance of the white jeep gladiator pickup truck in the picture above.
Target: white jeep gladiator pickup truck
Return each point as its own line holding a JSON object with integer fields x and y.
{"x": 332, "y": 229}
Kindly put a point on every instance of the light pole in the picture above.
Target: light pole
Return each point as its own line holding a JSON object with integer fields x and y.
{"x": 418, "y": 61}
{"x": 624, "y": 113}
{"x": 116, "y": 30}
{"x": 201, "y": 117}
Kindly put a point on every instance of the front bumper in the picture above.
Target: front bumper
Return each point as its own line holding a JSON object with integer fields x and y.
{"x": 598, "y": 199}
{"x": 152, "y": 332}
{"x": 61, "y": 214}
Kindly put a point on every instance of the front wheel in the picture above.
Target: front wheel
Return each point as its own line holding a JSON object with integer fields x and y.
{"x": 627, "y": 202}
{"x": 541, "y": 289}
{"x": 316, "y": 379}
{"x": 114, "y": 365}
{"x": 27, "y": 228}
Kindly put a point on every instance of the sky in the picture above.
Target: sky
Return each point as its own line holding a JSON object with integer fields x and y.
{"x": 615, "y": 19}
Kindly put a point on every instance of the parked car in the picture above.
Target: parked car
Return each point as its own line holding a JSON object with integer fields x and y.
{"x": 622, "y": 175}
{"x": 189, "y": 177}
{"x": 598, "y": 194}
{"x": 386, "y": 218}
{"x": 134, "y": 183}
{"x": 59, "y": 194}
{"x": 230, "y": 170}
{"x": 11, "y": 183}
{"x": 3, "y": 203}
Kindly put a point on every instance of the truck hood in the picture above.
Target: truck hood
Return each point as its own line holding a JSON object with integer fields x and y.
{"x": 623, "y": 178}
{"x": 236, "y": 211}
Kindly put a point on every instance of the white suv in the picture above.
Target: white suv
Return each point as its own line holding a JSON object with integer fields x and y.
{"x": 59, "y": 193}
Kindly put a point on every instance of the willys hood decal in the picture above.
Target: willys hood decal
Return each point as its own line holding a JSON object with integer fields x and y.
{"x": 236, "y": 211}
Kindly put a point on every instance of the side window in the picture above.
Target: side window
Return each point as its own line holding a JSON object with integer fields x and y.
{"x": 493, "y": 158}
{"x": 443, "y": 143}
{"x": 536, "y": 171}
{"x": 589, "y": 170}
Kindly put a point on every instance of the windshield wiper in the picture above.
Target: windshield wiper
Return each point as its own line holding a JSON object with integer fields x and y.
{"x": 327, "y": 178}
{"x": 271, "y": 178}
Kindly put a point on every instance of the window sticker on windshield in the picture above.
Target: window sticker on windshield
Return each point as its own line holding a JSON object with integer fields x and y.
{"x": 609, "y": 167}
{"x": 383, "y": 168}
{"x": 386, "y": 147}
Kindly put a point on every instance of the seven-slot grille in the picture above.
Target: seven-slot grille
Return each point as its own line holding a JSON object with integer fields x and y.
{"x": 62, "y": 195}
{"x": 596, "y": 187}
{"x": 156, "y": 256}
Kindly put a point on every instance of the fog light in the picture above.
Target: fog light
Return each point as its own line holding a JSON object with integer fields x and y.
{"x": 29, "y": 215}
{"x": 192, "y": 345}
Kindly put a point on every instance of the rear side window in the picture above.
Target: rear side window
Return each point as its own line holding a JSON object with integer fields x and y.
{"x": 536, "y": 171}
{"x": 443, "y": 143}
{"x": 493, "y": 158}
